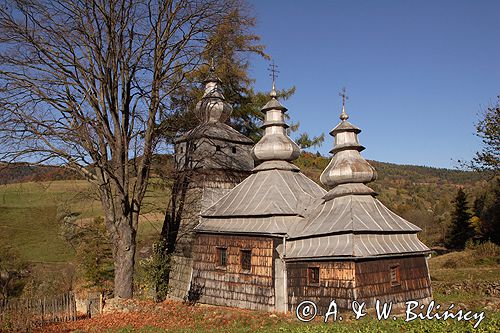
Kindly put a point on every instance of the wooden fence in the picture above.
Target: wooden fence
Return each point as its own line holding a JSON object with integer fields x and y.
{"x": 40, "y": 311}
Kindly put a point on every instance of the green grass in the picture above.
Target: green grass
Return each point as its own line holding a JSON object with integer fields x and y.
{"x": 29, "y": 219}
{"x": 30, "y": 213}
{"x": 465, "y": 274}
{"x": 464, "y": 277}
{"x": 491, "y": 323}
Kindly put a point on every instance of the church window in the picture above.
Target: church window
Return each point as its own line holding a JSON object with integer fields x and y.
{"x": 313, "y": 275}
{"x": 246, "y": 260}
{"x": 217, "y": 148}
{"x": 395, "y": 275}
{"x": 233, "y": 150}
{"x": 221, "y": 257}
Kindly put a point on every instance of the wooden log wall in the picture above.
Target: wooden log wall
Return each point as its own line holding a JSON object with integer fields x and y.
{"x": 336, "y": 282}
{"x": 364, "y": 280}
{"x": 373, "y": 280}
{"x": 232, "y": 286}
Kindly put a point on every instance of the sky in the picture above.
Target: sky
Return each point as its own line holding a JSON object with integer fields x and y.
{"x": 417, "y": 73}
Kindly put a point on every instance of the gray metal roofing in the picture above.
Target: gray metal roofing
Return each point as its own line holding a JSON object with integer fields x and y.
{"x": 353, "y": 213}
{"x": 273, "y": 103}
{"x": 270, "y": 225}
{"x": 353, "y": 245}
{"x": 215, "y": 130}
{"x": 343, "y": 126}
{"x": 285, "y": 202}
{"x": 267, "y": 193}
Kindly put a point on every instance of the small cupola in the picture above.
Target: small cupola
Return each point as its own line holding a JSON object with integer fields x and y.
{"x": 347, "y": 170}
{"x": 213, "y": 106}
{"x": 275, "y": 145}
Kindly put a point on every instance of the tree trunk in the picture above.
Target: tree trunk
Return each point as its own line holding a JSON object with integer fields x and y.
{"x": 124, "y": 259}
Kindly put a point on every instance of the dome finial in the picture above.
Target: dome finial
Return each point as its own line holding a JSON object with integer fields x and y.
{"x": 343, "y": 116}
{"x": 213, "y": 106}
{"x": 274, "y": 74}
{"x": 211, "y": 76}
{"x": 212, "y": 65}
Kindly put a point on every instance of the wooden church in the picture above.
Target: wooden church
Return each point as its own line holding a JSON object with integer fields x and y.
{"x": 278, "y": 238}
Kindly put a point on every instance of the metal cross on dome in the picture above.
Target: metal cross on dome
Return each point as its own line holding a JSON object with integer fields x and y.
{"x": 343, "y": 116}
{"x": 344, "y": 96}
{"x": 273, "y": 69}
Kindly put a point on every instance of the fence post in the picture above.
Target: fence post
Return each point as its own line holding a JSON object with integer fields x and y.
{"x": 73, "y": 304}
{"x": 65, "y": 307}
{"x": 101, "y": 302}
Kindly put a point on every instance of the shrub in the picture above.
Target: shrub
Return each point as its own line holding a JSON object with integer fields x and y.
{"x": 156, "y": 270}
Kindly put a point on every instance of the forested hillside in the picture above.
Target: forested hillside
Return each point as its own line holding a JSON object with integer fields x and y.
{"x": 11, "y": 173}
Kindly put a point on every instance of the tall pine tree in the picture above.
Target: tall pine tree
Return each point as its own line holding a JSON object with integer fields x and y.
{"x": 460, "y": 229}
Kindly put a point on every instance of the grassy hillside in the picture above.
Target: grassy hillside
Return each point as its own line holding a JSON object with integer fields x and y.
{"x": 30, "y": 216}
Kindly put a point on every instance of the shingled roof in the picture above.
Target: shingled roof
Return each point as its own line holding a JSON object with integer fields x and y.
{"x": 215, "y": 130}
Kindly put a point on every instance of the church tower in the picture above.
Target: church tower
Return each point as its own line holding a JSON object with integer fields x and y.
{"x": 210, "y": 160}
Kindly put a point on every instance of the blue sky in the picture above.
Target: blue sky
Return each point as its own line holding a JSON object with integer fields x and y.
{"x": 417, "y": 72}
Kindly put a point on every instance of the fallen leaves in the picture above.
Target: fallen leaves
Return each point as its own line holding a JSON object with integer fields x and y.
{"x": 171, "y": 315}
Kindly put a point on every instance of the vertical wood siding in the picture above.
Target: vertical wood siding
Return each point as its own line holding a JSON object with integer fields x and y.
{"x": 231, "y": 286}
{"x": 364, "y": 281}
{"x": 336, "y": 282}
{"x": 373, "y": 280}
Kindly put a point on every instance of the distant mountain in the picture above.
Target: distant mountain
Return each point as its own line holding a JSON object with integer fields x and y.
{"x": 24, "y": 172}
{"x": 311, "y": 164}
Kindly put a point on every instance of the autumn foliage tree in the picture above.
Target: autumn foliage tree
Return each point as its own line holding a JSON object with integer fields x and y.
{"x": 487, "y": 211}
{"x": 83, "y": 84}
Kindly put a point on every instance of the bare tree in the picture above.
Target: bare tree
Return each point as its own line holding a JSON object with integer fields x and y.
{"x": 488, "y": 129}
{"x": 82, "y": 84}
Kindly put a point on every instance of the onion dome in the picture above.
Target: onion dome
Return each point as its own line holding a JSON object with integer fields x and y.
{"x": 350, "y": 221}
{"x": 275, "y": 145}
{"x": 348, "y": 171}
{"x": 213, "y": 106}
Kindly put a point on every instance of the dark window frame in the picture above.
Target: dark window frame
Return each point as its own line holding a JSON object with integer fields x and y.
{"x": 246, "y": 260}
{"x": 233, "y": 150}
{"x": 313, "y": 276}
{"x": 221, "y": 257}
{"x": 395, "y": 275}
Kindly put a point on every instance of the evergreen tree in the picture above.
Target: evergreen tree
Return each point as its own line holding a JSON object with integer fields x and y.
{"x": 487, "y": 208}
{"x": 460, "y": 229}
